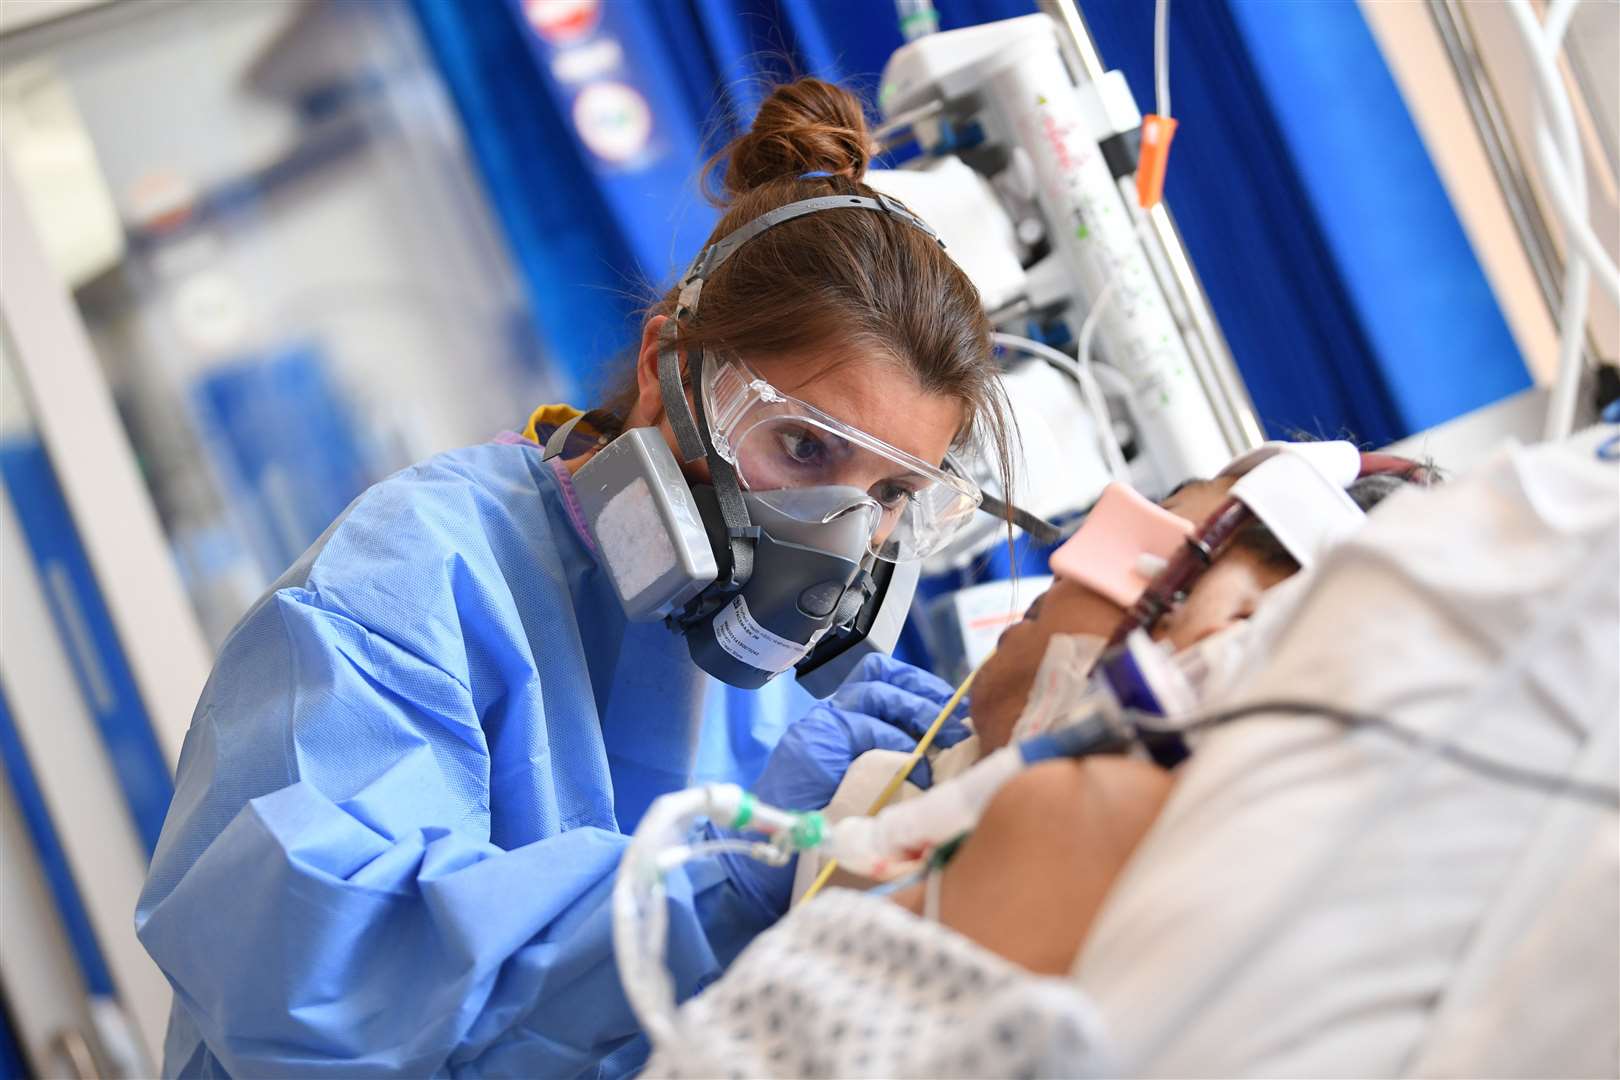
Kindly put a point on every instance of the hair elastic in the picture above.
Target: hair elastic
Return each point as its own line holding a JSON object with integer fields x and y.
{"x": 814, "y": 174}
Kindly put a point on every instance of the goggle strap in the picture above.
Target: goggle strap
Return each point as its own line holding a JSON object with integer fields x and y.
{"x": 1185, "y": 568}
{"x": 1043, "y": 531}
{"x": 713, "y": 256}
{"x": 727, "y": 491}
{"x": 687, "y": 434}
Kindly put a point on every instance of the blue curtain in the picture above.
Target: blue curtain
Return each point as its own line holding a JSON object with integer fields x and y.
{"x": 1335, "y": 263}
{"x": 597, "y": 236}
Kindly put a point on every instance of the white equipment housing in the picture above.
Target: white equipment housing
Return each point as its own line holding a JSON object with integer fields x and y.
{"x": 1000, "y": 99}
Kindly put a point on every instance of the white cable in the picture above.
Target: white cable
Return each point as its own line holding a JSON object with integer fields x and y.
{"x": 1564, "y": 401}
{"x": 1090, "y": 392}
{"x": 1565, "y": 169}
{"x": 1566, "y": 178}
{"x": 1161, "y": 57}
{"x": 1088, "y": 335}
{"x": 1081, "y": 367}
{"x": 1111, "y": 378}
{"x": 1563, "y": 165}
{"x": 1579, "y": 233}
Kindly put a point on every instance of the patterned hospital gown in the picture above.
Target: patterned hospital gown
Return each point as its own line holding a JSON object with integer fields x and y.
{"x": 850, "y": 985}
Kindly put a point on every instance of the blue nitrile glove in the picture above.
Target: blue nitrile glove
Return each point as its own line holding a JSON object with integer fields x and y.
{"x": 883, "y": 705}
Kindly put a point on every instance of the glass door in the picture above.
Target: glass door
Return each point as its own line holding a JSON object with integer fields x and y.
{"x": 266, "y": 217}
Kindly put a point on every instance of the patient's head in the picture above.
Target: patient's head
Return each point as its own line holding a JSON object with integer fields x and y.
{"x": 1226, "y": 594}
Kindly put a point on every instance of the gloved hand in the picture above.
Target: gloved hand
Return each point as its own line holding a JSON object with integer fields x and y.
{"x": 883, "y": 705}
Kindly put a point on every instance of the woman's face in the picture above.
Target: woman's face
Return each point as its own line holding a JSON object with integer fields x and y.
{"x": 866, "y": 390}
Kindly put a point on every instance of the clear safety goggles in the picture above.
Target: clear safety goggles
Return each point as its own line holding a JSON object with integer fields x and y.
{"x": 779, "y": 444}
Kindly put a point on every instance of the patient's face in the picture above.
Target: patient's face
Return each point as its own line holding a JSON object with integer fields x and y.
{"x": 1002, "y": 687}
{"x": 1227, "y": 593}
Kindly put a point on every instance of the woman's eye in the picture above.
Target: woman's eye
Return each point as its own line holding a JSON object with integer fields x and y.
{"x": 803, "y": 448}
{"x": 891, "y": 495}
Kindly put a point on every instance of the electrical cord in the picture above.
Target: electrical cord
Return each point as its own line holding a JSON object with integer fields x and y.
{"x": 1481, "y": 764}
{"x": 1090, "y": 392}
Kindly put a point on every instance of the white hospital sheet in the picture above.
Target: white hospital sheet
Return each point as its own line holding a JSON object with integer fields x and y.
{"x": 1313, "y": 902}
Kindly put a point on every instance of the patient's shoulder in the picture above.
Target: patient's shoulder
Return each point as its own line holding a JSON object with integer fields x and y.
{"x": 1029, "y": 880}
{"x": 1117, "y": 798}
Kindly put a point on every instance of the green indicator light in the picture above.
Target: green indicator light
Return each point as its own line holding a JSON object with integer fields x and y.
{"x": 926, "y": 18}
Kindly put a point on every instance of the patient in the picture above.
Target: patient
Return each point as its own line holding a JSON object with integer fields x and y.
{"x": 1311, "y": 900}
{"x": 1105, "y": 803}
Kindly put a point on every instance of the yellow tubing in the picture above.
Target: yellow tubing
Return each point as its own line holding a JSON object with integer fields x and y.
{"x": 900, "y": 775}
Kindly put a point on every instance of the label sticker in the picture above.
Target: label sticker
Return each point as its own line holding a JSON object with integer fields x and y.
{"x": 563, "y": 21}
{"x": 614, "y": 121}
{"x": 752, "y": 644}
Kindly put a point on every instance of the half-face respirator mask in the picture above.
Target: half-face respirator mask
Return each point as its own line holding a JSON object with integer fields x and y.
{"x": 804, "y": 548}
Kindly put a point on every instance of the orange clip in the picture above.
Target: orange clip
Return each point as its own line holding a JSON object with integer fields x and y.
{"x": 1157, "y": 131}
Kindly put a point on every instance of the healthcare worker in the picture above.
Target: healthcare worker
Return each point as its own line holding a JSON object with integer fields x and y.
{"x": 408, "y": 783}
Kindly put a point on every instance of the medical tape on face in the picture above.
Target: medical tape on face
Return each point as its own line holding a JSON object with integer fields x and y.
{"x": 1123, "y": 542}
{"x": 1306, "y": 510}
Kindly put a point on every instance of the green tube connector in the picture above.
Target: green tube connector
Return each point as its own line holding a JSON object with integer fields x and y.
{"x": 745, "y": 811}
{"x": 808, "y": 831}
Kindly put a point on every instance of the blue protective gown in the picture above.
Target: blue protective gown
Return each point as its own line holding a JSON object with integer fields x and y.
{"x": 405, "y": 792}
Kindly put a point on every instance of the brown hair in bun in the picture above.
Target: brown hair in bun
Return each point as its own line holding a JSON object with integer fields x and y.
{"x": 806, "y": 126}
{"x": 842, "y": 282}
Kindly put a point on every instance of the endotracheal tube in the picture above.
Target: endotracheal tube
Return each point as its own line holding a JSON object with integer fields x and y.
{"x": 881, "y": 847}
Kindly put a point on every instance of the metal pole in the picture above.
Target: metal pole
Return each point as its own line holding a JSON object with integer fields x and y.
{"x": 1078, "y": 47}
{"x": 1211, "y": 355}
{"x": 1530, "y": 217}
{"x": 1217, "y": 368}
{"x": 1479, "y": 93}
